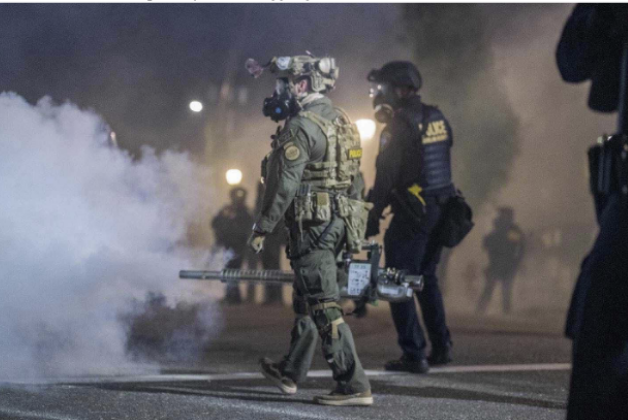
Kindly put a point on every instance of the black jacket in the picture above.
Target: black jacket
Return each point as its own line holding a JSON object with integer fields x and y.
{"x": 414, "y": 148}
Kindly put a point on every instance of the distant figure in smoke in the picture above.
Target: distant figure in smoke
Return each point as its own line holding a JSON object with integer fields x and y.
{"x": 271, "y": 257}
{"x": 231, "y": 227}
{"x": 505, "y": 247}
{"x": 591, "y": 48}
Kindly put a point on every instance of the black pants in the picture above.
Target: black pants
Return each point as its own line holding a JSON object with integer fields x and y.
{"x": 492, "y": 278}
{"x": 598, "y": 323}
{"x": 415, "y": 248}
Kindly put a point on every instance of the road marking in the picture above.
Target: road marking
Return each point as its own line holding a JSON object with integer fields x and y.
{"x": 502, "y": 368}
{"x": 312, "y": 374}
{"x": 32, "y": 415}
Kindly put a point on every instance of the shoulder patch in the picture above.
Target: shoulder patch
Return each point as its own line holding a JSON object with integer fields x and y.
{"x": 291, "y": 152}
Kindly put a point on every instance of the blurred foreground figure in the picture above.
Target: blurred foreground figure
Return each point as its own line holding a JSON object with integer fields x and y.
{"x": 271, "y": 257}
{"x": 309, "y": 177}
{"x": 505, "y": 247}
{"x": 232, "y": 226}
{"x": 414, "y": 177}
{"x": 592, "y": 47}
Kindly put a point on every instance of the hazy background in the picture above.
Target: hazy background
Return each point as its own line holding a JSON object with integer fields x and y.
{"x": 86, "y": 226}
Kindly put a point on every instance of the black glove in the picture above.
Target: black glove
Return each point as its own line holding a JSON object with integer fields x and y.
{"x": 372, "y": 225}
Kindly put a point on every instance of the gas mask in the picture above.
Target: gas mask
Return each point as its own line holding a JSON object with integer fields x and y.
{"x": 283, "y": 103}
{"x": 385, "y": 101}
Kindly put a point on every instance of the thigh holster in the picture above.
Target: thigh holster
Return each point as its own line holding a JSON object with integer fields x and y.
{"x": 300, "y": 305}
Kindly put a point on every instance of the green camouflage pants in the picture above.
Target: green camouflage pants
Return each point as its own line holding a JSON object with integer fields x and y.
{"x": 316, "y": 285}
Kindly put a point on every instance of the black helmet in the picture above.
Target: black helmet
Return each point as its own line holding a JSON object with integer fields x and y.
{"x": 238, "y": 194}
{"x": 397, "y": 73}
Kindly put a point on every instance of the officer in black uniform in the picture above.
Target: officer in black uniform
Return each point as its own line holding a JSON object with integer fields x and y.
{"x": 505, "y": 247}
{"x": 414, "y": 178}
{"x": 591, "y": 48}
{"x": 232, "y": 226}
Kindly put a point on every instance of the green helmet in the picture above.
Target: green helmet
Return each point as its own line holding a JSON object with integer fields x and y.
{"x": 322, "y": 72}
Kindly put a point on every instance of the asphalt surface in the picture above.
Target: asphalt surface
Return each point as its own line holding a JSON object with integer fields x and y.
{"x": 504, "y": 368}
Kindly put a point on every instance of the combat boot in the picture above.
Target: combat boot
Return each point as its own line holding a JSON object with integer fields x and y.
{"x": 272, "y": 372}
{"x": 440, "y": 356}
{"x": 340, "y": 398}
{"x": 408, "y": 364}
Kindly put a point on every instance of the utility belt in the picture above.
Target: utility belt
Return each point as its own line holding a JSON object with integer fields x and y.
{"x": 608, "y": 168}
{"x": 323, "y": 206}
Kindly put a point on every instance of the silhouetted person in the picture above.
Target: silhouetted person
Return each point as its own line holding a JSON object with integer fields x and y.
{"x": 505, "y": 247}
{"x": 232, "y": 226}
{"x": 593, "y": 45}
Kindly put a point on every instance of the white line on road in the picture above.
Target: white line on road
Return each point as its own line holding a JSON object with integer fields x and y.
{"x": 22, "y": 414}
{"x": 311, "y": 374}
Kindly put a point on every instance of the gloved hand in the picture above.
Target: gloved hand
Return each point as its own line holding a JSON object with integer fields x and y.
{"x": 372, "y": 225}
{"x": 256, "y": 241}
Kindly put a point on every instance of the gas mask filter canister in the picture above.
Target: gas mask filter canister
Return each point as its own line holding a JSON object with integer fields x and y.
{"x": 282, "y": 104}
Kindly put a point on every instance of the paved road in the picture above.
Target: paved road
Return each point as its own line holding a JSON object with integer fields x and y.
{"x": 504, "y": 369}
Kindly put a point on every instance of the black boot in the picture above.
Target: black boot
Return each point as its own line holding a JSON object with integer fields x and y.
{"x": 440, "y": 355}
{"x": 407, "y": 364}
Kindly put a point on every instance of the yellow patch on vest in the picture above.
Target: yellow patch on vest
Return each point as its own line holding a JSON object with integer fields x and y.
{"x": 355, "y": 153}
{"x": 291, "y": 152}
{"x": 436, "y": 131}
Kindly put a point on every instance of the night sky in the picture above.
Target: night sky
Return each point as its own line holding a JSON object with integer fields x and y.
{"x": 140, "y": 65}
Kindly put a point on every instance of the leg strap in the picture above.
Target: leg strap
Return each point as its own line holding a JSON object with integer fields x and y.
{"x": 325, "y": 305}
{"x": 334, "y": 328}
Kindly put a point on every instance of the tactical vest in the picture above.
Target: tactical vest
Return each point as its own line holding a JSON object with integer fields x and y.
{"x": 436, "y": 142}
{"x": 342, "y": 155}
{"x": 323, "y": 184}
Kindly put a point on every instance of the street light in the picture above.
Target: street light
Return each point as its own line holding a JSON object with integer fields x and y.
{"x": 366, "y": 128}
{"x": 196, "y": 106}
{"x": 234, "y": 176}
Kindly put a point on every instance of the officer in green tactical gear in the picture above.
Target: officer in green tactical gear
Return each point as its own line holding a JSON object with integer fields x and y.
{"x": 309, "y": 176}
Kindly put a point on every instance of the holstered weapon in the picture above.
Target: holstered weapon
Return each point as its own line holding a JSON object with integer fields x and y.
{"x": 408, "y": 212}
{"x": 608, "y": 166}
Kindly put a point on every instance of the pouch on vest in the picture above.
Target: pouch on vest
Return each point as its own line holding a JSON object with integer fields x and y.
{"x": 322, "y": 207}
{"x": 312, "y": 207}
{"x": 355, "y": 215}
{"x": 457, "y": 221}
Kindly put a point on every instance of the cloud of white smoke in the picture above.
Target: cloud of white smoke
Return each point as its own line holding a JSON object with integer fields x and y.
{"x": 83, "y": 229}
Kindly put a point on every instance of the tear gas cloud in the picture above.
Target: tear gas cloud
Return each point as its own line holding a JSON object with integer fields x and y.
{"x": 84, "y": 228}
